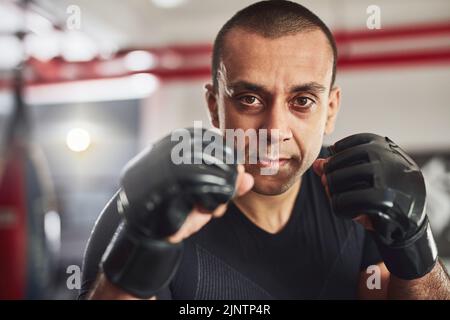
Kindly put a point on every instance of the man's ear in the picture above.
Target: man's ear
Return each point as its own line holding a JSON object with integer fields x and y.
{"x": 334, "y": 103}
{"x": 211, "y": 100}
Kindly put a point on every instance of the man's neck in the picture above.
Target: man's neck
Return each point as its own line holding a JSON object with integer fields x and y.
{"x": 270, "y": 213}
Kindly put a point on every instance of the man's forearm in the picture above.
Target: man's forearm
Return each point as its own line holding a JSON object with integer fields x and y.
{"x": 434, "y": 285}
{"x": 105, "y": 290}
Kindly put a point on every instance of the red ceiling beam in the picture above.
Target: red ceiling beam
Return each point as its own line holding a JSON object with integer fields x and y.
{"x": 58, "y": 70}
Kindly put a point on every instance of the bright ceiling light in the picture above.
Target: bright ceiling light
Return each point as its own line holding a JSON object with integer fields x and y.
{"x": 11, "y": 18}
{"x": 11, "y": 52}
{"x": 77, "y": 46}
{"x": 78, "y": 140}
{"x": 43, "y": 47}
{"x": 139, "y": 60}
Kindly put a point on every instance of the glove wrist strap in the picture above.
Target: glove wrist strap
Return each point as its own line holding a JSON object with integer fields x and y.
{"x": 139, "y": 265}
{"x": 414, "y": 258}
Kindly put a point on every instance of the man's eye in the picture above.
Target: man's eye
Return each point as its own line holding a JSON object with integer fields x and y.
{"x": 303, "y": 102}
{"x": 249, "y": 100}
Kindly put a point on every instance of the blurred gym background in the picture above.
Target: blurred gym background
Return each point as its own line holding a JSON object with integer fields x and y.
{"x": 85, "y": 85}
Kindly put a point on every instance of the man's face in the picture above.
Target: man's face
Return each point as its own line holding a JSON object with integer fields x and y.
{"x": 283, "y": 84}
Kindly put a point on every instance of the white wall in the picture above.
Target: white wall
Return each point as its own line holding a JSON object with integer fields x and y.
{"x": 176, "y": 104}
{"x": 410, "y": 105}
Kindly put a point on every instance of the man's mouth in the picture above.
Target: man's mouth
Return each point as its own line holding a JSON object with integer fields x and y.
{"x": 273, "y": 162}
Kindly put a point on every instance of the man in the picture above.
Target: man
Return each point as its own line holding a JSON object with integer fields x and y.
{"x": 274, "y": 66}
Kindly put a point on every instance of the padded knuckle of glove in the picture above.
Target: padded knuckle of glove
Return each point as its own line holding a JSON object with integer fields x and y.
{"x": 161, "y": 193}
{"x": 370, "y": 174}
{"x": 373, "y": 175}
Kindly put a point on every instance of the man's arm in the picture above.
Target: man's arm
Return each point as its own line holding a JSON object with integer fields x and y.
{"x": 102, "y": 288}
{"x": 434, "y": 285}
{"x": 368, "y": 292}
{"x": 159, "y": 204}
{"x": 371, "y": 179}
{"x": 105, "y": 290}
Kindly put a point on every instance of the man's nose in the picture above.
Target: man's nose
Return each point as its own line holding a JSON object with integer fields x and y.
{"x": 277, "y": 123}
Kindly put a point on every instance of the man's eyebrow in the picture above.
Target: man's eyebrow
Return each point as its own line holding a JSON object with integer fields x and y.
{"x": 312, "y": 87}
{"x": 245, "y": 85}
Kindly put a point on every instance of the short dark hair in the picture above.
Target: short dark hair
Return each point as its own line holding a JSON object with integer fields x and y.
{"x": 272, "y": 19}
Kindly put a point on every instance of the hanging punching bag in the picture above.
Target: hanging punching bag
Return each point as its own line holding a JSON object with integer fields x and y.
{"x": 13, "y": 221}
{"x": 25, "y": 197}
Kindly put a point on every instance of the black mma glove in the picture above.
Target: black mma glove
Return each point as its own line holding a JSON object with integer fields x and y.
{"x": 370, "y": 174}
{"x": 155, "y": 199}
